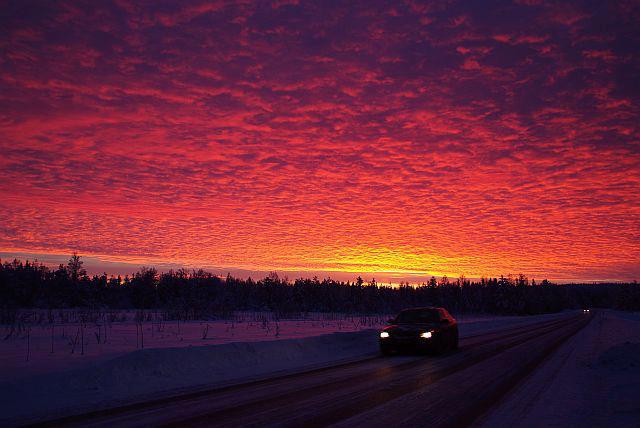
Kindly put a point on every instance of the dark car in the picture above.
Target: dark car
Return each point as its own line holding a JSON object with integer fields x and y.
{"x": 420, "y": 329}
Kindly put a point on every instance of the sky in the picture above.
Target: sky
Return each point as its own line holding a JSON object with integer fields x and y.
{"x": 391, "y": 139}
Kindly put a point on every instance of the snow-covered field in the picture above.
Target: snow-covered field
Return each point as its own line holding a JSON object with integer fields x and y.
{"x": 37, "y": 346}
{"x": 593, "y": 380}
{"x": 109, "y": 363}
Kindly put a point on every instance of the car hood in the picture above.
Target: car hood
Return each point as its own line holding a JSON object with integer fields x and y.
{"x": 411, "y": 328}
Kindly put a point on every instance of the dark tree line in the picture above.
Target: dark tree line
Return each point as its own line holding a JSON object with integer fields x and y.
{"x": 196, "y": 293}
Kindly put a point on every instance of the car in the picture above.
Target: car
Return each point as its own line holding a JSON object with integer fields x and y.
{"x": 428, "y": 329}
{"x": 585, "y": 311}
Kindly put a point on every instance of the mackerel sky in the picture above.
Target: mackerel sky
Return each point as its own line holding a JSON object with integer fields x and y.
{"x": 393, "y": 139}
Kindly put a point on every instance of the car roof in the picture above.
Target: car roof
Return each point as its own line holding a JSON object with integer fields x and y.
{"x": 424, "y": 308}
{"x": 441, "y": 311}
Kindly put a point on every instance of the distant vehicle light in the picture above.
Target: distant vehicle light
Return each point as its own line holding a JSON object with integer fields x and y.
{"x": 585, "y": 311}
{"x": 384, "y": 335}
{"x": 426, "y": 335}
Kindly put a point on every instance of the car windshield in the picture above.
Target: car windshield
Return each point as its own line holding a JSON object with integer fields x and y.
{"x": 422, "y": 316}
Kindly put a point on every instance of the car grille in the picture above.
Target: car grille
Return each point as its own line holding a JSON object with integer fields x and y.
{"x": 406, "y": 335}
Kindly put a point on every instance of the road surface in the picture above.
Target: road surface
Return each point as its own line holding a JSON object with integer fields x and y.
{"x": 454, "y": 389}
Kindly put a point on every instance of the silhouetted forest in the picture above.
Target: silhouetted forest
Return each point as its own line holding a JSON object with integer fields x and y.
{"x": 196, "y": 293}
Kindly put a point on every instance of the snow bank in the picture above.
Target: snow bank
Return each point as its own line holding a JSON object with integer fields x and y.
{"x": 140, "y": 374}
{"x": 153, "y": 369}
{"x": 40, "y": 349}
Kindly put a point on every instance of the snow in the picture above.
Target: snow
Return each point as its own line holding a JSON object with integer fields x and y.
{"x": 41, "y": 348}
{"x": 625, "y": 356}
{"x": 592, "y": 380}
{"x": 140, "y": 374}
{"x": 175, "y": 360}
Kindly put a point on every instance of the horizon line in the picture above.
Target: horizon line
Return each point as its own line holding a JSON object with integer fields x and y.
{"x": 97, "y": 265}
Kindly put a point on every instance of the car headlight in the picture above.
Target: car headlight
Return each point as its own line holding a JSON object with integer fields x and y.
{"x": 426, "y": 335}
{"x": 384, "y": 335}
